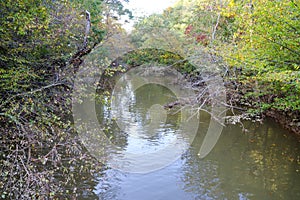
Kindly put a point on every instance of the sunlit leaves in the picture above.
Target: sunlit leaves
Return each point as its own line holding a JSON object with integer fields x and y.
{"x": 266, "y": 45}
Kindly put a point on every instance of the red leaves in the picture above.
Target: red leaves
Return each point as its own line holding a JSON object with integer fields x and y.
{"x": 199, "y": 37}
{"x": 188, "y": 29}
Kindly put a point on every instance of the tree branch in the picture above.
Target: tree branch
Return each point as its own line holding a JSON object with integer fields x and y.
{"x": 215, "y": 27}
{"x": 87, "y": 29}
{"x": 76, "y": 58}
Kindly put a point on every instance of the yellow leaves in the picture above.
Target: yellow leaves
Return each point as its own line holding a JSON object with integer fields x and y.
{"x": 42, "y": 9}
{"x": 231, "y": 4}
{"x": 296, "y": 66}
{"x": 167, "y": 11}
{"x": 230, "y": 10}
{"x": 165, "y": 56}
{"x": 283, "y": 76}
{"x": 228, "y": 14}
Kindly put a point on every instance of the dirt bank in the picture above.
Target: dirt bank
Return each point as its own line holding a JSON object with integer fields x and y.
{"x": 288, "y": 120}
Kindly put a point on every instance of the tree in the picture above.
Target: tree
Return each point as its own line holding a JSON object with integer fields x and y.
{"x": 266, "y": 46}
{"x": 38, "y": 39}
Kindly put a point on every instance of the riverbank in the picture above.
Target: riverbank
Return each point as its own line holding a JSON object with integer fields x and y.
{"x": 236, "y": 92}
{"x": 289, "y": 121}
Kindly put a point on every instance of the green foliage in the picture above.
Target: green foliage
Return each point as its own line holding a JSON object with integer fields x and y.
{"x": 95, "y": 8}
{"x": 267, "y": 48}
{"x": 259, "y": 37}
{"x": 160, "y": 56}
{"x": 269, "y": 34}
{"x": 156, "y": 31}
{"x": 35, "y": 36}
{"x": 39, "y": 153}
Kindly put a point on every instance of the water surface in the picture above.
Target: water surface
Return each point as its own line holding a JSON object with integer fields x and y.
{"x": 261, "y": 163}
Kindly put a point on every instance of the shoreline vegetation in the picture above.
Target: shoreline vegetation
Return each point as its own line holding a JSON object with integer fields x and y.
{"x": 255, "y": 45}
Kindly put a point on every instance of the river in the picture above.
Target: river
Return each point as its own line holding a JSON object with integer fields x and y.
{"x": 262, "y": 162}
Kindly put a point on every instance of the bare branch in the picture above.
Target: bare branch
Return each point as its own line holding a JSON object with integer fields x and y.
{"x": 87, "y": 28}
{"x": 215, "y": 27}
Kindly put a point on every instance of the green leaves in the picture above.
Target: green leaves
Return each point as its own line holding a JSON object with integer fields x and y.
{"x": 267, "y": 48}
{"x": 37, "y": 38}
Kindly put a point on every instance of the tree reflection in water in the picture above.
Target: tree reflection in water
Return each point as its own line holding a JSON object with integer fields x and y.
{"x": 262, "y": 163}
